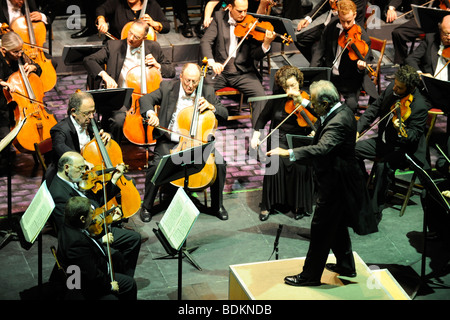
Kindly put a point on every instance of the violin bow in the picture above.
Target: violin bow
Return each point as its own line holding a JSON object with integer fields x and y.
{"x": 442, "y": 152}
{"x": 239, "y": 44}
{"x": 442, "y": 68}
{"x": 379, "y": 120}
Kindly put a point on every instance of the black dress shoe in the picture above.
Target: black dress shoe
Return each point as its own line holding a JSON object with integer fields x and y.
{"x": 85, "y": 32}
{"x": 145, "y": 215}
{"x": 299, "y": 281}
{"x": 299, "y": 213}
{"x": 333, "y": 267}
{"x": 222, "y": 214}
{"x": 186, "y": 30}
{"x": 264, "y": 216}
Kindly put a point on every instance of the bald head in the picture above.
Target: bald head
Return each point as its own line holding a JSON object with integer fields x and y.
{"x": 444, "y": 29}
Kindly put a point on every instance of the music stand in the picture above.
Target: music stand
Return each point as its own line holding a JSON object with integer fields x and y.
{"x": 427, "y": 18}
{"x": 436, "y": 194}
{"x": 74, "y": 55}
{"x": 176, "y": 166}
{"x": 107, "y": 100}
{"x": 282, "y": 26}
{"x": 295, "y": 140}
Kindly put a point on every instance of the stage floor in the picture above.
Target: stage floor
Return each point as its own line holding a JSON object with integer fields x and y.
{"x": 241, "y": 239}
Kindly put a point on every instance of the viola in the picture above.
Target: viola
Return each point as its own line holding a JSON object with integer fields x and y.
{"x": 34, "y": 35}
{"x": 109, "y": 156}
{"x": 199, "y": 128}
{"x": 357, "y": 48}
{"x": 29, "y": 95}
{"x": 142, "y": 80}
{"x": 402, "y": 112}
{"x": 151, "y": 35}
{"x": 251, "y": 27}
{"x": 97, "y": 175}
{"x": 304, "y": 117}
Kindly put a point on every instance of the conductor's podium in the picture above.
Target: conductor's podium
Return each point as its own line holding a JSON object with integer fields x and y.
{"x": 265, "y": 281}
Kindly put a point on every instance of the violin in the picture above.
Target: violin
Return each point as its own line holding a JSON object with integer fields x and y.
{"x": 251, "y": 27}
{"x": 200, "y": 127}
{"x": 34, "y": 35}
{"x": 357, "y": 48}
{"x": 304, "y": 117}
{"x": 109, "y": 156}
{"x": 96, "y": 175}
{"x": 446, "y": 55}
{"x": 151, "y": 35}
{"x": 143, "y": 80}
{"x": 99, "y": 218}
{"x": 402, "y": 112}
{"x": 29, "y": 95}
{"x": 444, "y": 4}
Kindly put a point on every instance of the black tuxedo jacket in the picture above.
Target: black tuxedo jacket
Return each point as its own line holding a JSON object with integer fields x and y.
{"x": 425, "y": 57}
{"x": 77, "y": 248}
{"x": 167, "y": 96}
{"x": 4, "y": 15}
{"x": 113, "y": 55}
{"x": 414, "y": 144}
{"x": 216, "y": 40}
{"x": 337, "y": 174}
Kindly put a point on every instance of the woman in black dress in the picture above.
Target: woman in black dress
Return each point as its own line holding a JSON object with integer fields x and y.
{"x": 292, "y": 183}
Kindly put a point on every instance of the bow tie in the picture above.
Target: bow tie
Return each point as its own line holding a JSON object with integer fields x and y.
{"x": 231, "y": 22}
{"x": 135, "y": 50}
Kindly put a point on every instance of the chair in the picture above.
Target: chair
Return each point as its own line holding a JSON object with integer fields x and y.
{"x": 42, "y": 149}
{"x": 229, "y": 91}
{"x": 378, "y": 45}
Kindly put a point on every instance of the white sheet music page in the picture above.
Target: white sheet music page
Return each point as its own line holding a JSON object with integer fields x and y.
{"x": 178, "y": 219}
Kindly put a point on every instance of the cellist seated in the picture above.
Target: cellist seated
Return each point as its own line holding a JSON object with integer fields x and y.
{"x": 172, "y": 97}
{"x": 120, "y": 56}
{"x": 11, "y": 52}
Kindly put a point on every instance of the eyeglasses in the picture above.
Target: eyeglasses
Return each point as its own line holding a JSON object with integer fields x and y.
{"x": 16, "y": 52}
{"x": 188, "y": 82}
{"x": 87, "y": 113}
{"x": 80, "y": 168}
{"x": 445, "y": 34}
{"x": 133, "y": 36}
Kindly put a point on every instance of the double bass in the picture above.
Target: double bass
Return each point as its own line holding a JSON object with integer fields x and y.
{"x": 142, "y": 80}
{"x": 28, "y": 95}
{"x": 34, "y": 35}
{"x": 109, "y": 156}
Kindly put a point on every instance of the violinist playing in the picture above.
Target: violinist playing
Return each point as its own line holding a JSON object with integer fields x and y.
{"x": 423, "y": 58}
{"x": 401, "y": 130}
{"x": 291, "y": 184}
{"x": 11, "y": 52}
{"x": 120, "y": 56}
{"x": 172, "y": 97}
{"x": 76, "y": 246}
{"x": 66, "y": 184}
{"x": 349, "y": 73}
{"x": 218, "y": 44}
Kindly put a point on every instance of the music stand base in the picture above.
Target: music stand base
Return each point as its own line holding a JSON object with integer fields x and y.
{"x": 186, "y": 253}
{"x": 8, "y": 235}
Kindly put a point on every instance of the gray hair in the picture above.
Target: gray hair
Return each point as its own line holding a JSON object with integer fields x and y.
{"x": 11, "y": 40}
{"x": 325, "y": 92}
{"x": 67, "y": 158}
{"x": 76, "y": 100}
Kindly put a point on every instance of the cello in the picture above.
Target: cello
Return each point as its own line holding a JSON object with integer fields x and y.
{"x": 28, "y": 95}
{"x": 200, "y": 127}
{"x": 151, "y": 35}
{"x": 142, "y": 80}
{"x": 109, "y": 156}
{"x": 33, "y": 34}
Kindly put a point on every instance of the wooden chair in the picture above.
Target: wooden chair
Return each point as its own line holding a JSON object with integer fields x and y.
{"x": 42, "y": 148}
{"x": 380, "y": 46}
{"x": 229, "y": 91}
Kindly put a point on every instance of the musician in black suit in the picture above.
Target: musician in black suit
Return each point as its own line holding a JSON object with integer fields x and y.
{"x": 120, "y": 56}
{"x": 119, "y": 12}
{"x": 349, "y": 76}
{"x": 342, "y": 198}
{"x": 65, "y": 185}
{"x": 13, "y": 9}
{"x": 172, "y": 97}
{"x": 308, "y": 39}
{"x": 77, "y": 247}
{"x": 240, "y": 72}
{"x": 391, "y": 143}
{"x": 427, "y": 57}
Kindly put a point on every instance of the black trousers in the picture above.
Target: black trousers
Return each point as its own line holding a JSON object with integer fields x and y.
{"x": 163, "y": 147}
{"x": 249, "y": 84}
{"x": 329, "y": 231}
{"x": 401, "y": 35}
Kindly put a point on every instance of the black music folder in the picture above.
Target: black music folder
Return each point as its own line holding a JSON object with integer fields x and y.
{"x": 74, "y": 54}
{"x": 437, "y": 92}
{"x": 295, "y": 140}
{"x": 428, "y": 18}
{"x": 107, "y": 100}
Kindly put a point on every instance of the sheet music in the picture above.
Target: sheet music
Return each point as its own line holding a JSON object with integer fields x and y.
{"x": 35, "y": 217}
{"x": 178, "y": 219}
{"x": 11, "y": 135}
